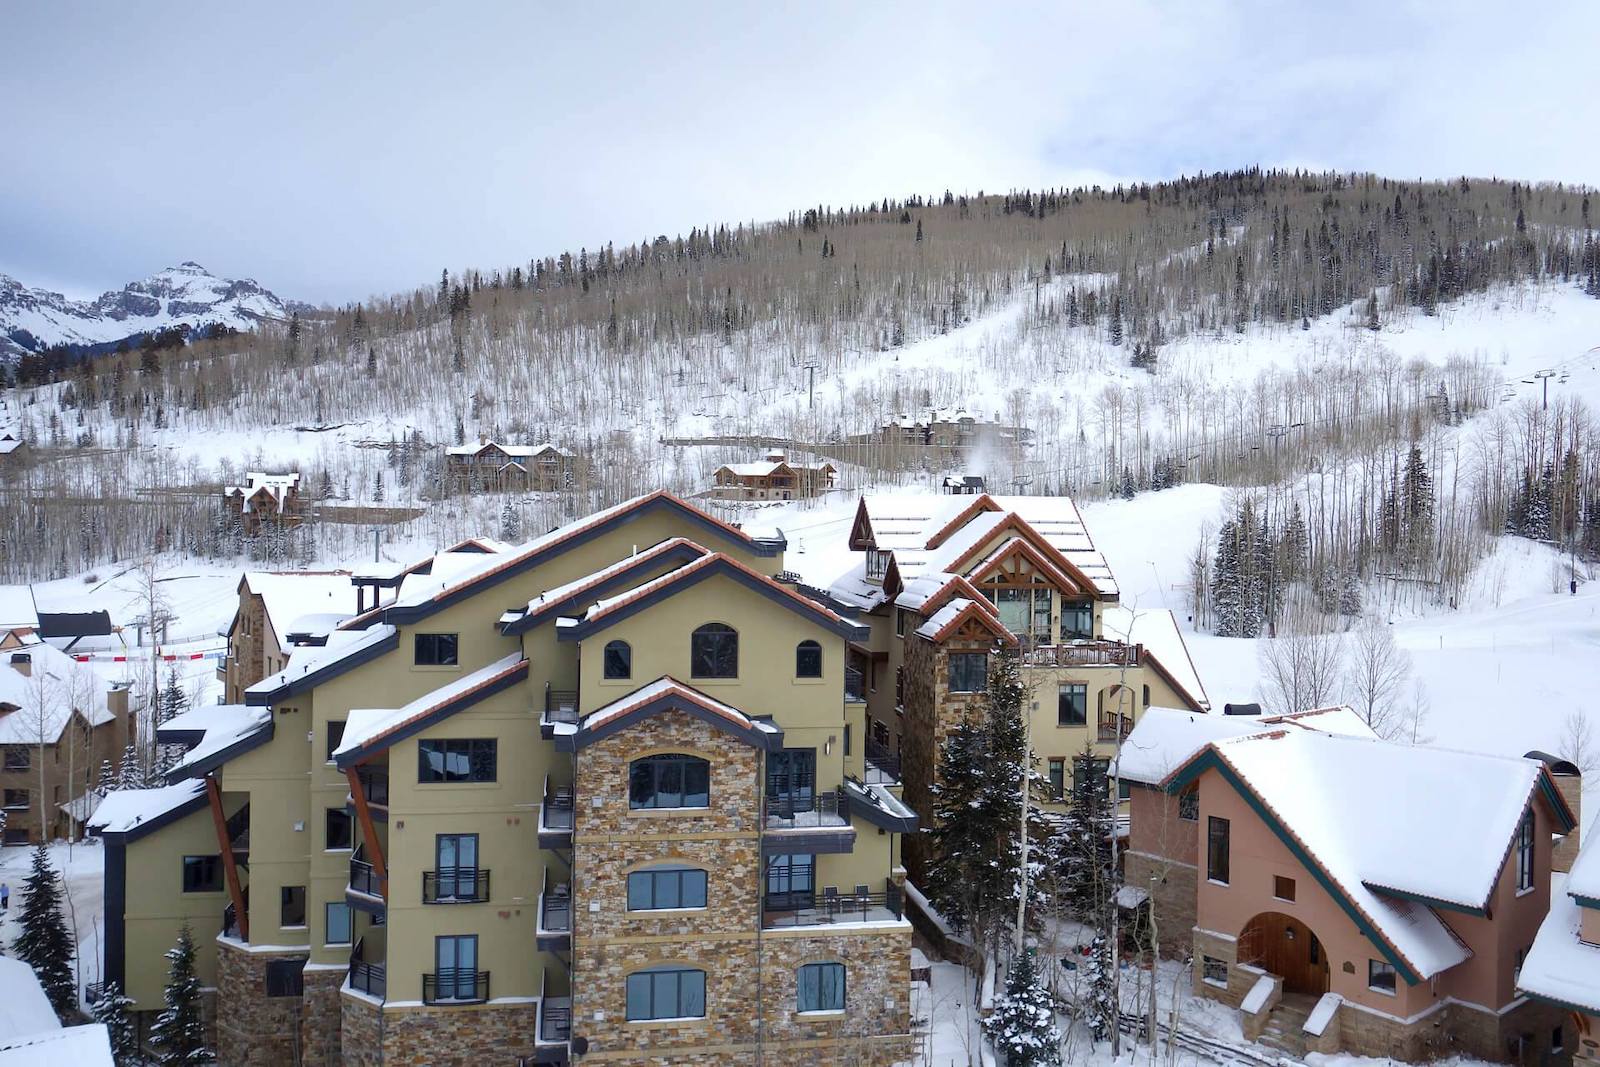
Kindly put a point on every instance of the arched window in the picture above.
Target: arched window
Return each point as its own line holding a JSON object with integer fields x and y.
{"x": 618, "y": 660}
{"x": 669, "y": 781}
{"x": 666, "y": 885}
{"x": 666, "y": 992}
{"x": 714, "y": 651}
{"x": 820, "y": 987}
{"x": 808, "y": 660}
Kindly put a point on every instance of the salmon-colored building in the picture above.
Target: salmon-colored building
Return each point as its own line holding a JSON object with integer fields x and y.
{"x": 1564, "y": 967}
{"x": 1353, "y": 894}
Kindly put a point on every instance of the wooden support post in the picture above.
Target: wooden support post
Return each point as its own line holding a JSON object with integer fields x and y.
{"x": 225, "y": 846}
{"x": 368, "y": 832}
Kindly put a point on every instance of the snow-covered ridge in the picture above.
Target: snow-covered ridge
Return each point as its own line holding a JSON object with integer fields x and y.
{"x": 185, "y": 295}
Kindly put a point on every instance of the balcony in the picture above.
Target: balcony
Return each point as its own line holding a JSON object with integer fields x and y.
{"x": 556, "y": 817}
{"x": 1115, "y": 727}
{"x": 1083, "y": 654}
{"x": 365, "y": 891}
{"x": 555, "y": 918}
{"x": 367, "y": 976}
{"x": 833, "y": 907}
{"x": 855, "y": 686}
{"x": 803, "y": 821}
{"x": 883, "y": 766}
{"x": 455, "y": 885}
{"x": 374, "y": 786}
{"x": 230, "y": 922}
{"x": 238, "y": 826}
{"x": 455, "y": 986}
{"x": 555, "y": 1020}
{"x": 560, "y": 712}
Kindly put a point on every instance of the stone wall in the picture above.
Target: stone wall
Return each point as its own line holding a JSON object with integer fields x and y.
{"x": 253, "y": 1029}
{"x": 460, "y": 1035}
{"x": 932, "y": 712}
{"x": 320, "y": 1013}
{"x": 875, "y": 1026}
{"x": 1173, "y": 898}
{"x": 360, "y": 1032}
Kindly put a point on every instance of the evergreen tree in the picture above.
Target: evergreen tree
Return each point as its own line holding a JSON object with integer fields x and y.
{"x": 1129, "y": 489}
{"x": 1115, "y": 329}
{"x": 1372, "y": 312}
{"x": 1416, "y": 494}
{"x": 1350, "y": 597}
{"x": 1101, "y": 1007}
{"x": 1023, "y": 1025}
{"x": 510, "y": 524}
{"x": 111, "y": 1011}
{"x": 173, "y": 699}
{"x": 1295, "y": 545}
{"x": 1085, "y": 846}
{"x": 44, "y": 943}
{"x": 179, "y": 1033}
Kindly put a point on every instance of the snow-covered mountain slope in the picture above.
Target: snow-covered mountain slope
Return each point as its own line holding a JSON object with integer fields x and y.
{"x": 185, "y": 295}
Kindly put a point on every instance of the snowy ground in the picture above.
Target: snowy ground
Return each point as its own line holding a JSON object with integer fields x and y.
{"x": 83, "y": 865}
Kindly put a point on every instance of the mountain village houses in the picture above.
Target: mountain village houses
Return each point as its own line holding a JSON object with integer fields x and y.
{"x": 266, "y": 499}
{"x": 1563, "y": 968}
{"x": 1348, "y": 893}
{"x": 59, "y": 722}
{"x": 492, "y": 466}
{"x": 774, "y": 478}
{"x": 648, "y": 788}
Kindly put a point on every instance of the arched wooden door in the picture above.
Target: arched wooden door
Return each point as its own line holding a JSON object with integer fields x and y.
{"x": 1283, "y": 945}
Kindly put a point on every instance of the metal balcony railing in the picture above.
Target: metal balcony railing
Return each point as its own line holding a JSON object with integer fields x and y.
{"x": 883, "y": 766}
{"x": 799, "y": 809}
{"x": 556, "y": 812}
{"x": 455, "y": 885}
{"x": 369, "y": 977}
{"x": 1113, "y": 727}
{"x": 363, "y": 879}
{"x": 555, "y": 909}
{"x": 374, "y": 786}
{"x": 455, "y": 986}
{"x": 1083, "y": 654}
{"x": 835, "y": 906}
{"x": 560, "y": 705}
{"x": 555, "y": 1020}
{"x": 855, "y": 685}
{"x": 230, "y": 921}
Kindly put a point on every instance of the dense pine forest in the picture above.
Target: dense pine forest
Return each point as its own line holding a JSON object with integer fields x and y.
{"x": 1094, "y": 317}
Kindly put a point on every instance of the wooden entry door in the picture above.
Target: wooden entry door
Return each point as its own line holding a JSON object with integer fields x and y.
{"x": 1285, "y": 946}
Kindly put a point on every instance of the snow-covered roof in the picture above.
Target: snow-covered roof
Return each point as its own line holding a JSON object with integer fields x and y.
{"x": 566, "y": 590}
{"x": 24, "y": 1009}
{"x": 341, "y": 646}
{"x": 1390, "y": 823}
{"x": 8, "y": 445}
{"x": 1164, "y": 739}
{"x": 17, "y": 609}
{"x": 126, "y": 809}
{"x": 767, "y": 467}
{"x": 290, "y": 596}
{"x": 66, "y": 684}
{"x": 1157, "y": 630}
{"x": 80, "y": 807}
{"x": 1584, "y": 878}
{"x": 221, "y": 725}
{"x": 368, "y": 725}
{"x": 515, "y": 451}
{"x": 664, "y": 686}
{"x": 1560, "y": 966}
{"x": 88, "y": 1045}
{"x": 278, "y": 486}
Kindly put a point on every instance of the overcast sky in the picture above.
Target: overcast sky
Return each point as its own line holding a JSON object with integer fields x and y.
{"x": 335, "y": 151}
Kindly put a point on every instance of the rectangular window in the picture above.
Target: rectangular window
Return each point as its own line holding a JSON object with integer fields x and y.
{"x": 457, "y": 760}
{"x": 669, "y": 781}
{"x": 1189, "y": 804}
{"x": 202, "y": 874}
{"x": 435, "y": 650}
{"x": 969, "y": 672}
{"x": 1558, "y": 1041}
{"x": 455, "y": 967}
{"x": 335, "y": 736}
{"x": 820, "y": 987}
{"x": 1077, "y": 619}
{"x": 339, "y": 831}
{"x": 1058, "y": 778}
{"x": 791, "y": 882}
{"x": 1525, "y": 852}
{"x": 1282, "y": 888}
{"x": 1072, "y": 704}
{"x": 1380, "y": 977}
{"x": 666, "y": 993}
{"x": 900, "y": 622}
{"x": 1217, "y": 850}
{"x": 1124, "y": 789}
{"x": 285, "y": 978}
{"x": 17, "y": 758}
{"x": 336, "y": 914}
{"x": 791, "y": 781}
{"x": 1516, "y": 966}
{"x": 292, "y": 905}
{"x": 455, "y": 866}
{"x": 16, "y": 798}
{"x": 847, "y": 739}
{"x": 1214, "y": 970}
{"x": 667, "y": 887}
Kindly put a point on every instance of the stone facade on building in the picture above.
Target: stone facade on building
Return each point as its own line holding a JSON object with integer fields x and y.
{"x": 254, "y": 1029}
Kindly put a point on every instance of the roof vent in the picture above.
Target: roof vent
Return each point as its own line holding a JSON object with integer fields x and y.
{"x": 1241, "y": 709}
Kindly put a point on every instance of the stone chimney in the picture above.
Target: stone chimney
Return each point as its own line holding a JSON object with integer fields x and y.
{"x": 22, "y": 663}
{"x": 1569, "y": 783}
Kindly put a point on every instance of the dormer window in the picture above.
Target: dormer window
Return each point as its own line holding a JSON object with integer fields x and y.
{"x": 878, "y": 564}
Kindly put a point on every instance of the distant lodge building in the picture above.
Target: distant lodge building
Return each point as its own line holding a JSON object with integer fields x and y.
{"x": 949, "y": 433}
{"x": 11, "y": 448}
{"x": 544, "y": 468}
{"x": 267, "y": 498}
{"x": 774, "y": 478}
{"x": 964, "y": 485}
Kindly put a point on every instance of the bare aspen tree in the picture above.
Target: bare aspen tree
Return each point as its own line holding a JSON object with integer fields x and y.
{"x": 1377, "y": 673}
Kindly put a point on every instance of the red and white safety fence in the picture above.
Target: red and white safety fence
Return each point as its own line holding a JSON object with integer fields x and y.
{"x": 164, "y": 657}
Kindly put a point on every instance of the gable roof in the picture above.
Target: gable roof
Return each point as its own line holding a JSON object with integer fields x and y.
{"x": 310, "y": 666}
{"x": 214, "y": 734}
{"x": 606, "y": 613}
{"x": 1165, "y": 739}
{"x": 1562, "y": 968}
{"x": 67, "y": 686}
{"x": 1156, "y": 631}
{"x": 435, "y": 596}
{"x": 956, "y": 614}
{"x": 136, "y": 812}
{"x": 368, "y": 731}
{"x": 927, "y": 593}
{"x": 620, "y": 574}
{"x": 668, "y": 694}
{"x": 17, "y": 610}
{"x": 1390, "y": 831}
